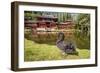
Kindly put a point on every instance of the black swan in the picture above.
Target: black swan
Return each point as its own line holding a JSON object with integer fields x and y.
{"x": 66, "y": 47}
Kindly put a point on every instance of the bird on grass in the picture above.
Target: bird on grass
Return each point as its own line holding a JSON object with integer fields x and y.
{"x": 66, "y": 47}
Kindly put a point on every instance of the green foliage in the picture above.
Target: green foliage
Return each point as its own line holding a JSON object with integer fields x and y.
{"x": 62, "y": 16}
{"x": 83, "y": 24}
{"x": 82, "y": 32}
{"x": 28, "y": 34}
{"x": 29, "y": 15}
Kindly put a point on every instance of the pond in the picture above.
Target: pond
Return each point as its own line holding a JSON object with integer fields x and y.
{"x": 51, "y": 38}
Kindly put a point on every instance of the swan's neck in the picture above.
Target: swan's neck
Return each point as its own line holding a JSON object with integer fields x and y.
{"x": 58, "y": 41}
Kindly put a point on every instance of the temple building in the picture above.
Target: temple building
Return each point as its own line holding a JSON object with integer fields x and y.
{"x": 48, "y": 23}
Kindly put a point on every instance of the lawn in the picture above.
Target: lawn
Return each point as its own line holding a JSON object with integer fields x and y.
{"x": 39, "y": 52}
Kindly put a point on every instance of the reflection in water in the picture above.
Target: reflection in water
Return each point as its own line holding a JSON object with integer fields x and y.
{"x": 51, "y": 37}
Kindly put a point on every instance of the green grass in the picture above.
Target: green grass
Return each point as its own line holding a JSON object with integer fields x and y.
{"x": 39, "y": 52}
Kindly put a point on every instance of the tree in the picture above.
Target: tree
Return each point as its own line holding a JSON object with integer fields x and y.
{"x": 83, "y": 30}
{"x": 83, "y": 24}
